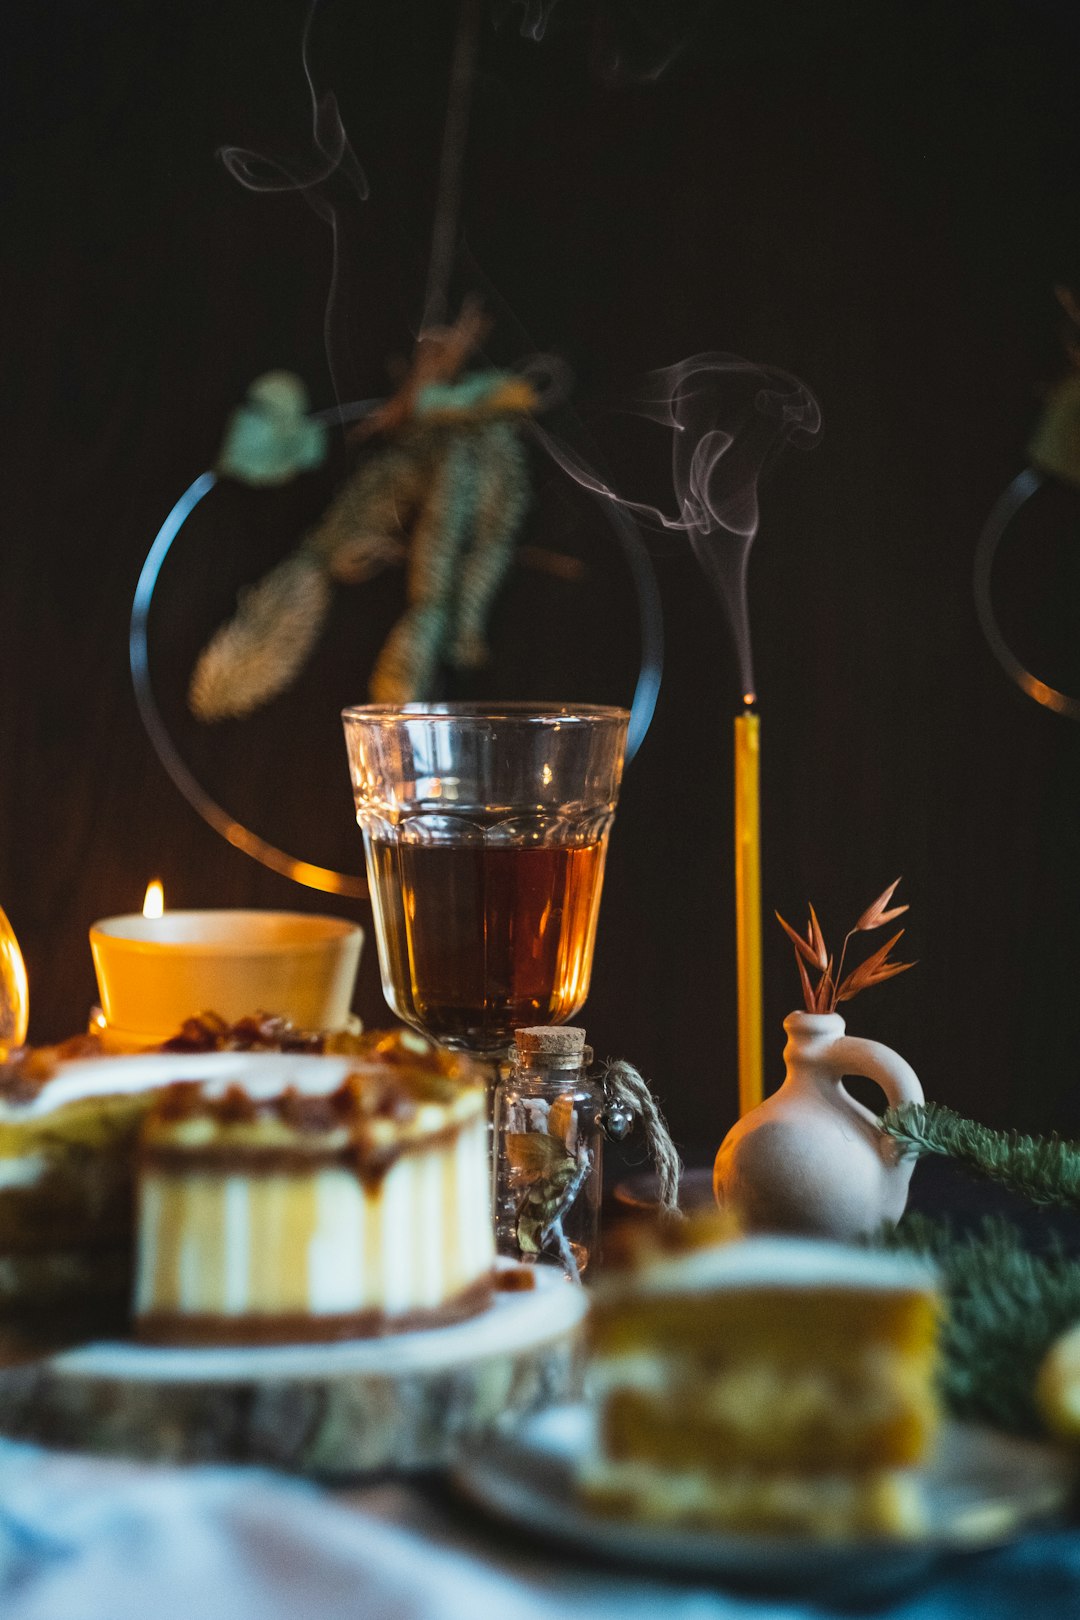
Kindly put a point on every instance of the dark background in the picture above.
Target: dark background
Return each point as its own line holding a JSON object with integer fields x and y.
{"x": 877, "y": 198}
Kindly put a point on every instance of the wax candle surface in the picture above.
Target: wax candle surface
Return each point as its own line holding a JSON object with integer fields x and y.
{"x": 748, "y": 907}
{"x": 14, "y": 990}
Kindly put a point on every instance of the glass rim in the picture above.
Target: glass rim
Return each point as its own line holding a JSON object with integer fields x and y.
{"x": 528, "y": 713}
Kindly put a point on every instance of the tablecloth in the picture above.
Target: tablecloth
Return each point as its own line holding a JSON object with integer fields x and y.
{"x": 87, "y": 1539}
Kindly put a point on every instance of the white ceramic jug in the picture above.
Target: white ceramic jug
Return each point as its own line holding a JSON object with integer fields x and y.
{"x": 811, "y": 1159}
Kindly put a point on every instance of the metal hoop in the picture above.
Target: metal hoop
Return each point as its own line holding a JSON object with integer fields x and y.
{"x": 325, "y": 878}
{"x": 1022, "y": 488}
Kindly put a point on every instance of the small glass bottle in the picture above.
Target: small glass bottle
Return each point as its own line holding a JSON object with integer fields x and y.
{"x": 549, "y": 1151}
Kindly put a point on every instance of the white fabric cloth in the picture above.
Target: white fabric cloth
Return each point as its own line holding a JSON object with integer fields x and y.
{"x": 85, "y": 1539}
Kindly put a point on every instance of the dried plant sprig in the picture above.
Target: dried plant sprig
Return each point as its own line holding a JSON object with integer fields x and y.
{"x": 811, "y": 951}
{"x": 812, "y": 948}
{"x": 875, "y": 914}
{"x": 803, "y": 947}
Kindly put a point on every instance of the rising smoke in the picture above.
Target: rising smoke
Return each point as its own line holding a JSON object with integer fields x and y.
{"x": 728, "y": 419}
{"x": 631, "y": 41}
{"x": 336, "y": 161}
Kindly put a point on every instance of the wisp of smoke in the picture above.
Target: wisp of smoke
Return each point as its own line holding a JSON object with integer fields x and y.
{"x": 259, "y": 173}
{"x": 728, "y": 418}
{"x": 535, "y": 16}
{"x": 256, "y": 172}
{"x": 632, "y": 41}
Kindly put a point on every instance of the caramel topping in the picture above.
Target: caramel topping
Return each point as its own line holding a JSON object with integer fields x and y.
{"x": 259, "y": 1032}
{"x": 315, "y": 1114}
{"x": 376, "y": 1106}
{"x": 181, "y": 1100}
{"x": 236, "y": 1107}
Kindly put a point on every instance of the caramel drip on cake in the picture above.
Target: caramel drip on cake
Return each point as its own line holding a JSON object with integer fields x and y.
{"x": 449, "y": 1219}
{"x": 267, "y": 1207}
{"x": 371, "y": 1241}
{"x": 358, "y": 1211}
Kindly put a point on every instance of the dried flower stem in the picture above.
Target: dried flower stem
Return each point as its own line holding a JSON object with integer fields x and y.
{"x": 811, "y": 952}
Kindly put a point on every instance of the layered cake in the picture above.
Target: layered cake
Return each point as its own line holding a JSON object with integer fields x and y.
{"x": 69, "y": 1120}
{"x": 768, "y": 1386}
{"x": 316, "y": 1208}
{"x": 69, "y": 1128}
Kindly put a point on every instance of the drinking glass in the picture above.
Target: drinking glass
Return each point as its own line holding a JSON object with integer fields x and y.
{"x": 485, "y": 831}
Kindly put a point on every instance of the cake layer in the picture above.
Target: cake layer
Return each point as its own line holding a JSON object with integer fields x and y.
{"x": 820, "y": 1505}
{"x": 320, "y": 1242}
{"x": 67, "y": 1173}
{"x": 754, "y": 1323}
{"x": 876, "y": 1412}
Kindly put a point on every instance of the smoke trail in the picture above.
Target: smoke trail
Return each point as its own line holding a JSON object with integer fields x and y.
{"x": 550, "y": 377}
{"x": 568, "y": 444}
{"x": 637, "y": 44}
{"x": 535, "y": 16}
{"x": 728, "y": 417}
{"x": 632, "y": 41}
{"x": 256, "y": 172}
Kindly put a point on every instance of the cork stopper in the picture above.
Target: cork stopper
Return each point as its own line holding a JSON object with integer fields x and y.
{"x": 552, "y": 1046}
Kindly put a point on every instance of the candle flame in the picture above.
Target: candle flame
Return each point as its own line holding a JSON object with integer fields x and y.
{"x": 14, "y": 989}
{"x": 154, "y": 903}
{"x": 749, "y": 698}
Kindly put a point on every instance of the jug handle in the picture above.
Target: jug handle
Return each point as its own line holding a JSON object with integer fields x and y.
{"x": 851, "y": 1054}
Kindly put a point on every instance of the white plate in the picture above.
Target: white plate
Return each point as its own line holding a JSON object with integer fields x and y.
{"x": 511, "y": 1323}
{"x": 982, "y": 1489}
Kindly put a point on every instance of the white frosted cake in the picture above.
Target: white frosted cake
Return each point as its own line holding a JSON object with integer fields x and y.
{"x": 776, "y": 1385}
{"x": 276, "y": 1209}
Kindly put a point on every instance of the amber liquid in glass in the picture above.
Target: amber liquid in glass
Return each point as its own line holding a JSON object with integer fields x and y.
{"x": 479, "y": 939}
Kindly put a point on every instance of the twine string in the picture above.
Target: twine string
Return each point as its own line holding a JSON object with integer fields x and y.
{"x": 624, "y": 1084}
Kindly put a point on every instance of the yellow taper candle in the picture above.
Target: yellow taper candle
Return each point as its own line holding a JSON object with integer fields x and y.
{"x": 748, "y": 906}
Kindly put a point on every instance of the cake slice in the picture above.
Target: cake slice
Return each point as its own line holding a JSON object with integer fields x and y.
{"x": 314, "y": 1207}
{"x": 69, "y": 1121}
{"x": 773, "y": 1385}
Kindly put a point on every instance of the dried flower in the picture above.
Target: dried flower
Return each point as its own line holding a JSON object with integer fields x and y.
{"x": 812, "y": 952}
{"x": 875, "y": 915}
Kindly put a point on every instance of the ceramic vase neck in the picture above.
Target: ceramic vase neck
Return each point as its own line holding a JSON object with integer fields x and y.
{"x": 810, "y": 1039}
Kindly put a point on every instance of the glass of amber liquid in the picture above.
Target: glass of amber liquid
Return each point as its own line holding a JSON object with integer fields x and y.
{"x": 485, "y": 831}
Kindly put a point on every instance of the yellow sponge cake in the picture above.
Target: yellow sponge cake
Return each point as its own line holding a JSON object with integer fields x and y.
{"x": 773, "y": 1385}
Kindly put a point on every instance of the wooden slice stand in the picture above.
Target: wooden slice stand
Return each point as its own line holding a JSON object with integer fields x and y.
{"x": 338, "y": 1411}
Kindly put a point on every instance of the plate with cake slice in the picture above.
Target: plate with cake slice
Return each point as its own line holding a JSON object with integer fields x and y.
{"x": 980, "y": 1489}
{"x": 300, "y": 1259}
{"x": 764, "y": 1411}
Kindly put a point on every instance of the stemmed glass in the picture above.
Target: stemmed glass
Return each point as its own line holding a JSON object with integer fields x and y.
{"x": 485, "y": 831}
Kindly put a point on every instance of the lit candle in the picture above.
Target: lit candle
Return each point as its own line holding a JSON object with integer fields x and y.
{"x": 156, "y": 970}
{"x": 748, "y": 904}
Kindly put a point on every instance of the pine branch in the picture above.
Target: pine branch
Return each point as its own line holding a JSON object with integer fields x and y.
{"x": 1044, "y": 1169}
{"x": 1004, "y": 1308}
